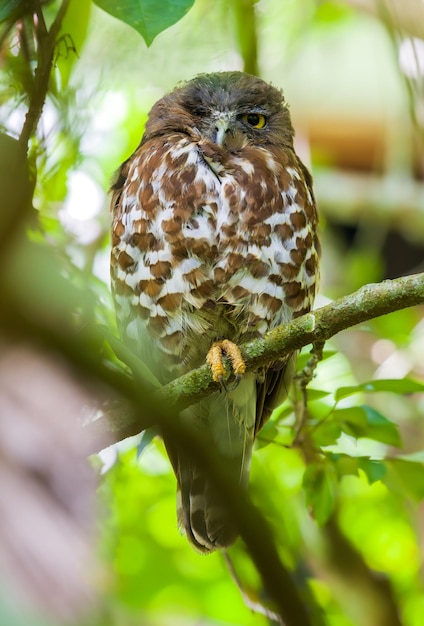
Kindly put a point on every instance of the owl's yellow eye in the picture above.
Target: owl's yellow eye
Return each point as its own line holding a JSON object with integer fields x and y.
{"x": 256, "y": 120}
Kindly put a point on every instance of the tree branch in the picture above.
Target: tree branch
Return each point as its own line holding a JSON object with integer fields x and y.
{"x": 371, "y": 301}
{"x": 46, "y": 44}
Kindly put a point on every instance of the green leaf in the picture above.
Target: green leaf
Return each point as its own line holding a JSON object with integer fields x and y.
{"x": 270, "y": 433}
{"x": 282, "y": 411}
{"x": 147, "y": 17}
{"x": 374, "y": 470}
{"x": 8, "y": 7}
{"x": 348, "y": 466}
{"x": 380, "y": 428}
{"x": 406, "y": 475}
{"x": 364, "y": 421}
{"x": 352, "y": 420}
{"x": 319, "y": 482}
{"x": 316, "y": 394}
{"x": 270, "y": 430}
{"x": 345, "y": 465}
{"x": 267, "y": 435}
{"x": 261, "y": 442}
{"x": 326, "y": 433}
{"x": 72, "y": 37}
{"x": 146, "y": 439}
{"x": 395, "y": 385}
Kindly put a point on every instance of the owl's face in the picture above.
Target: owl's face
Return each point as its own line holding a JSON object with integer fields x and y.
{"x": 231, "y": 109}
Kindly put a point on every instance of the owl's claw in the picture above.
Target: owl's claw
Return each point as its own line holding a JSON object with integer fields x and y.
{"x": 214, "y": 358}
{"x": 221, "y": 381}
{"x": 225, "y": 386}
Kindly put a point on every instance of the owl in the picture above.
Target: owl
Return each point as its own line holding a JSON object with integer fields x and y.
{"x": 214, "y": 242}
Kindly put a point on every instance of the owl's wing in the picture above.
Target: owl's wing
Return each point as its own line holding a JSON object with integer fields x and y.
{"x": 124, "y": 276}
{"x": 273, "y": 389}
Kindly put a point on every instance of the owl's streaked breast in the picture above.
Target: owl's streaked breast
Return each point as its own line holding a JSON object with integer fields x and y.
{"x": 212, "y": 242}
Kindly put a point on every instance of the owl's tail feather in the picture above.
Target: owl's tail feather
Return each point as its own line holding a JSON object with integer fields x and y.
{"x": 226, "y": 422}
{"x": 202, "y": 514}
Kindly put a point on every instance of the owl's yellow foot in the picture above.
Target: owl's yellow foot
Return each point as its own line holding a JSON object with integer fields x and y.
{"x": 214, "y": 358}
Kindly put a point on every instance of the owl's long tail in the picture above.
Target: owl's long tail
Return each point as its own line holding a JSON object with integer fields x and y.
{"x": 226, "y": 421}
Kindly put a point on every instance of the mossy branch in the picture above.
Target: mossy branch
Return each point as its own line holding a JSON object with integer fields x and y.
{"x": 371, "y": 301}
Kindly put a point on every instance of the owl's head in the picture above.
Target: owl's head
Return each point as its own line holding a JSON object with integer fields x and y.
{"x": 231, "y": 109}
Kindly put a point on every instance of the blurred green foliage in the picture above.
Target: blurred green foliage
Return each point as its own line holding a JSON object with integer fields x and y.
{"x": 358, "y": 458}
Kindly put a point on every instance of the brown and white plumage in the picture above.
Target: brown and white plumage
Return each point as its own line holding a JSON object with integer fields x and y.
{"x": 214, "y": 237}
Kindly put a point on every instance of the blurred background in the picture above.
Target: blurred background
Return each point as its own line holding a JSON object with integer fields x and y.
{"x": 353, "y": 74}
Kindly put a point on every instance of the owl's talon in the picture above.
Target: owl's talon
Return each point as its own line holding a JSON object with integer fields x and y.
{"x": 233, "y": 385}
{"x": 214, "y": 358}
{"x": 236, "y": 381}
{"x": 221, "y": 381}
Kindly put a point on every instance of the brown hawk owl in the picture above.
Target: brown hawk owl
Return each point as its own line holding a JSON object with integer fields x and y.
{"x": 213, "y": 243}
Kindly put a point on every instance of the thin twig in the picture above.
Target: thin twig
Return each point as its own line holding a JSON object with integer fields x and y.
{"x": 302, "y": 380}
{"x": 46, "y": 40}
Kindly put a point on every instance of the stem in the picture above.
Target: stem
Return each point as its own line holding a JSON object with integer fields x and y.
{"x": 246, "y": 33}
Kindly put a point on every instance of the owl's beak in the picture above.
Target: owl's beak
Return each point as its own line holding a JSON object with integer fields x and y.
{"x": 220, "y": 130}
